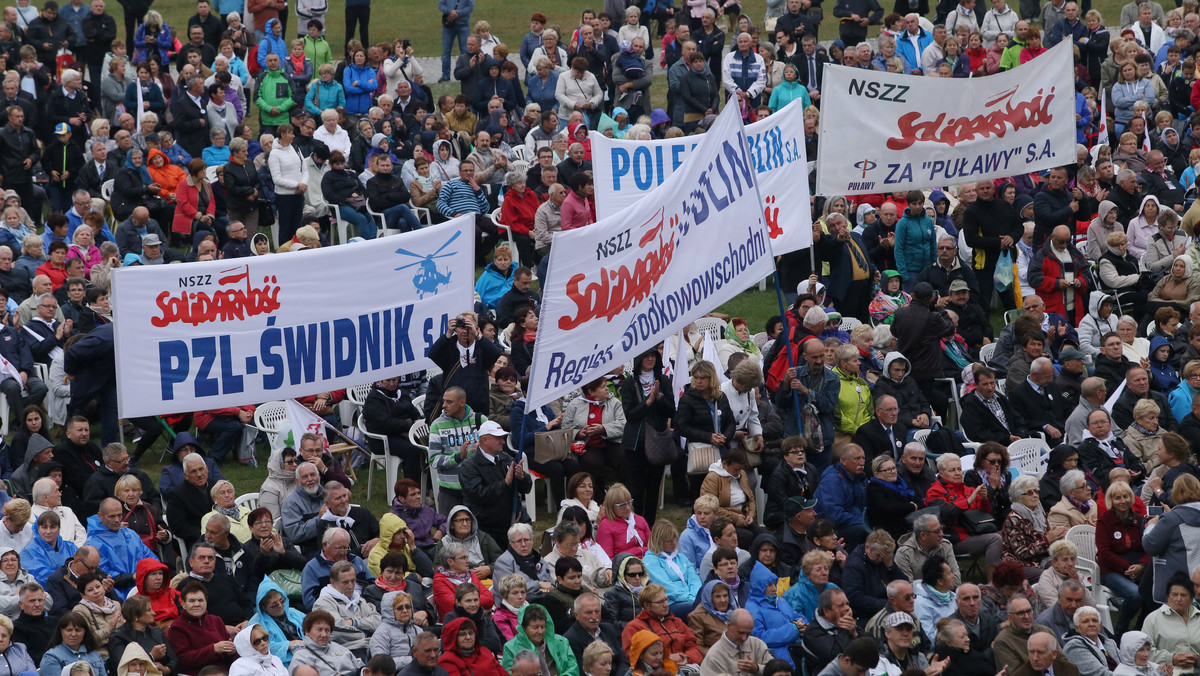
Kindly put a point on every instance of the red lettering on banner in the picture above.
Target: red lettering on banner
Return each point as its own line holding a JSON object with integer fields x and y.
{"x": 1022, "y": 115}
{"x": 618, "y": 289}
{"x": 235, "y": 302}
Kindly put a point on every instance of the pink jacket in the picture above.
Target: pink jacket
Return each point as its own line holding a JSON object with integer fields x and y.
{"x": 611, "y": 536}
{"x": 90, "y": 257}
{"x": 506, "y": 622}
{"x": 575, "y": 212}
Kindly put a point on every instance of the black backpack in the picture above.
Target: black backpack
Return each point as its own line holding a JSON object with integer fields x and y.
{"x": 942, "y": 440}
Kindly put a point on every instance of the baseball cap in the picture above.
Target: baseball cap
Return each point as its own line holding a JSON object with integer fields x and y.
{"x": 151, "y": 240}
{"x": 492, "y": 428}
{"x": 898, "y": 618}
{"x": 1069, "y": 353}
{"x": 62, "y": 128}
{"x": 959, "y": 285}
{"x": 796, "y": 504}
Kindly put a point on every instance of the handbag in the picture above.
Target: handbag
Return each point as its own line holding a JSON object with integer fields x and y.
{"x": 551, "y": 445}
{"x": 753, "y": 451}
{"x": 701, "y": 456}
{"x": 978, "y": 522}
{"x": 1003, "y": 277}
{"x": 661, "y": 447}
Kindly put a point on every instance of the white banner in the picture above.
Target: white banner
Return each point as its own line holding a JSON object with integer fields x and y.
{"x": 620, "y": 286}
{"x": 624, "y": 171}
{"x": 234, "y": 332}
{"x": 883, "y": 132}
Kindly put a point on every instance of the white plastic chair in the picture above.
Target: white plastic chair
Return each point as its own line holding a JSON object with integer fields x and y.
{"x": 986, "y": 352}
{"x": 341, "y": 226}
{"x": 422, "y": 214}
{"x": 389, "y": 462}
{"x": 760, "y": 339}
{"x": 713, "y": 326}
{"x": 355, "y": 398}
{"x": 848, "y": 323}
{"x": 508, "y": 233}
{"x": 250, "y": 500}
{"x": 968, "y": 461}
{"x": 418, "y": 435}
{"x": 531, "y": 496}
{"x": 1089, "y": 573}
{"x": 1027, "y": 455}
{"x": 267, "y": 418}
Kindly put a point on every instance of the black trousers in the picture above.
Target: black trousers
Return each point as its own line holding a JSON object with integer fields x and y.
{"x": 289, "y": 209}
{"x": 643, "y": 480}
{"x": 362, "y": 17}
{"x": 131, "y": 23}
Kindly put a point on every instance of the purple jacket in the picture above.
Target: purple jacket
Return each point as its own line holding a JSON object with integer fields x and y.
{"x": 422, "y": 521}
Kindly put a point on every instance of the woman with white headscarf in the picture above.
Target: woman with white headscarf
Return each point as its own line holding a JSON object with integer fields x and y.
{"x": 1135, "y": 651}
{"x": 1178, "y": 289}
{"x": 255, "y": 658}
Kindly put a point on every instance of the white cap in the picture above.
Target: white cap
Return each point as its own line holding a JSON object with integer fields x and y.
{"x": 492, "y": 429}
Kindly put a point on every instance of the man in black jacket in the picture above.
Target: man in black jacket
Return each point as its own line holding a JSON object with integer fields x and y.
{"x": 79, "y": 455}
{"x": 1137, "y": 387}
{"x": 792, "y": 478}
{"x": 32, "y": 626}
{"x": 831, "y": 632}
{"x": 880, "y": 238}
{"x": 1126, "y": 195}
{"x": 69, "y": 104}
{"x": 103, "y": 483}
{"x": 883, "y": 434}
{"x": 212, "y": 25}
{"x": 855, "y": 16}
{"x": 517, "y": 298}
{"x": 99, "y": 30}
{"x": 226, "y": 599}
{"x": 973, "y": 323}
{"x": 493, "y": 483}
{"x": 18, "y": 155}
{"x": 1111, "y": 363}
{"x": 915, "y": 469}
{"x": 240, "y": 181}
{"x": 1039, "y": 402}
{"x": 97, "y": 169}
{"x": 1160, "y": 183}
{"x": 991, "y": 226}
{"x": 387, "y": 194}
{"x": 62, "y": 583}
{"x": 588, "y": 629}
{"x": 390, "y": 412}
{"x": 1054, "y": 205}
{"x": 13, "y": 96}
{"x": 919, "y": 328}
{"x": 987, "y": 414}
{"x": 466, "y": 358}
{"x": 13, "y": 281}
{"x": 191, "y": 500}
{"x": 191, "y": 122}
{"x": 797, "y": 23}
{"x": 47, "y": 33}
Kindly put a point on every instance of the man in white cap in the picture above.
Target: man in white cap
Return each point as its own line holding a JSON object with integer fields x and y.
{"x": 493, "y": 482}
{"x": 898, "y": 650}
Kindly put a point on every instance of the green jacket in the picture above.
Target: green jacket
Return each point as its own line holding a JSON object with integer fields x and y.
{"x": 1012, "y": 55}
{"x": 317, "y": 50}
{"x": 274, "y": 89}
{"x": 558, "y": 647}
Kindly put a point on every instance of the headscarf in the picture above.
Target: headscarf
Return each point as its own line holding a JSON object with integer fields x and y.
{"x": 1131, "y": 643}
{"x": 1187, "y": 261}
{"x": 706, "y": 600}
{"x": 245, "y": 647}
{"x": 748, "y": 346}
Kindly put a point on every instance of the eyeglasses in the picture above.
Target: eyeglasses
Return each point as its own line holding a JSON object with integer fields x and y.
{"x": 1027, "y": 611}
{"x": 627, "y": 503}
{"x": 635, "y": 575}
{"x": 404, "y": 607}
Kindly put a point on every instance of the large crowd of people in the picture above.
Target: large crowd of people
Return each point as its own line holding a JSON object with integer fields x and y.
{"x": 853, "y": 503}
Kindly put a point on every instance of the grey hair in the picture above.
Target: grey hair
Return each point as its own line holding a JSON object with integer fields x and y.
{"x": 451, "y": 550}
{"x": 339, "y": 568}
{"x": 237, "y": 144}
{"x": 816, "y": 315}
{"x": 303, "y": 464}
{"x": 1067, "y": 483}
{"x": 221, "y": 520}
{"x": 883, "y": 336}
{"x": 943, "y": 635}
{"x": 188, "y": 460}
{"x": 111, "y": 451}
{"x": 825, "y": 600}
{"x": 518, "y": 529}
{"x": 513, "y": 178}
{"x": 943, "y": 461}
{"x": 587, "y": 595}
{"x": 913, "y": 446}
{"x": 526, "y": 656}
{"x": 893, "y": 588}
{"x": 199, "y": 544}
{"x": 43, "y": 487}
{"x": 925, "y": 524}
{"x": 217, "y": 131}
{"x": 835, "y": 216}
{"x": 1041, "y": 364}
{"x": 149, "y": 116}
{"x": 1021, "y": 484}
{"x": 331, "y": 533}
{"x": 1124, "y": 175}
{"x": 1082, "y": 612}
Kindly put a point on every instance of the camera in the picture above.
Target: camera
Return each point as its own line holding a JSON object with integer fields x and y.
{"x": 460, "y": 323}
{"x": 406, "y": 44}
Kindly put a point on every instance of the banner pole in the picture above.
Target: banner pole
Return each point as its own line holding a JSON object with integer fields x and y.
{"x": 787, "y": 349}
{"x": 520, "y": 446}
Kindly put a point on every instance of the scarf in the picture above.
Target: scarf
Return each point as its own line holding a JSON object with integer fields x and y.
{"x": 1084, "y": 507}
{"x": 110, "y": 606}
{"x": 379, "y": 582}
{"x": 631, "y": 533}
{"x": 456, "y": 578}
{"x": 941, "y": 597}
{"x": 1035, "y": 516}
{"x": 747, "y": 345}
{"x": 478, "y": 618}
{"x": 669, "y": 559}
{"x": 899, "y": 486}
{"x": 530, "y": 566}
{"x": 706, "y": 601}
{"x": 529, "y": 337}
{"x": 511, "y": 608}
{"x": 1141, "y": 429}
{"x": 352, "y": 603}
{"x": 232, "y": 512}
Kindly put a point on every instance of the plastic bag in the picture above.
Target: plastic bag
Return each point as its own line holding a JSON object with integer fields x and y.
{"x": 1004, "y": 272}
